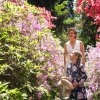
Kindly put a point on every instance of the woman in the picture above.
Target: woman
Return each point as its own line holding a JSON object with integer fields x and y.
{"x": 71, "y": 45}
{"x": 75, "y": 70}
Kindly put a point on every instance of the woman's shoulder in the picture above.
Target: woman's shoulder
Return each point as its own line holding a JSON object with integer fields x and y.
{"x": 79, "y": 41}
{"x": 67, "y": 43}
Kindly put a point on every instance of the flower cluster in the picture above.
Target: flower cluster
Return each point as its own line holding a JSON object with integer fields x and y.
{"x": 48, "y": 17}
{"x": 18, "y": 2}
{"x": 90, "y": 8}
{"x": 97, "y": 37}
{"x": 93, "y": 71}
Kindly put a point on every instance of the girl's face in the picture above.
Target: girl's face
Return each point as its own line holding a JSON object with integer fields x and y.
{"x": 72, "y": 56}
{"x": 71, "y": 35}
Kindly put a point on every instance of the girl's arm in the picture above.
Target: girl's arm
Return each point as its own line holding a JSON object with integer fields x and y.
{"x": 83, "y": 75}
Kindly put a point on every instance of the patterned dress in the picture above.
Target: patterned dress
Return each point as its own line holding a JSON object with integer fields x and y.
{"x": 78, "y": 93}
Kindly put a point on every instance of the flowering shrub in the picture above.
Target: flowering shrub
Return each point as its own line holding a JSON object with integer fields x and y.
{"x": 93, "y": 71}
{"x": 90, "y": 8}
{"x": 31, "y": 58}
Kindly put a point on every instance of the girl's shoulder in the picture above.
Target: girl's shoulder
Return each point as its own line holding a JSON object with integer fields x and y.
{"x": 82, "y": 65}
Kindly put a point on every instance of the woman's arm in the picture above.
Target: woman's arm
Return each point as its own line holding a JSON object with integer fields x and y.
{"x": 82, "y": 51}
{"x": 65, "y": 56}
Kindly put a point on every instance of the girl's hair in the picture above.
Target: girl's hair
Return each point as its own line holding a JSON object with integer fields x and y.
{"x": 72, "y": 29}
{"x": 79, "y": 54}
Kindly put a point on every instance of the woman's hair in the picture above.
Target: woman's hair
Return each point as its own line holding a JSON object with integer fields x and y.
{"x": 72, "y": 29}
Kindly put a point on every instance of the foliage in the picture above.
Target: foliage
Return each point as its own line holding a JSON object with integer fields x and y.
{"x": 68, "y": 21}
{"x": 64, "y": 20}
{"x": 60, "y": 9}
{"x": 44, "y": 3}
{"x": 93, "y": 71}
{"x": 88, "y": 31}
{"x": 31, "y": 58}
{"x": 6, "y": 94}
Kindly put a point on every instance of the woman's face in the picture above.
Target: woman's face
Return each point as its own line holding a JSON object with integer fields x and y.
{"x": 71, "y": 35}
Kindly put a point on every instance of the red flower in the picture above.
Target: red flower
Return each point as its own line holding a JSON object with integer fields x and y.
{"x": 92, "y": 9}
{"x": 80, "y": 2}
{"x": 97, "y": 36}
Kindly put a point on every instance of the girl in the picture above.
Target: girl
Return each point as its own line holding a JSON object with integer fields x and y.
{"x": 75, "y": 70}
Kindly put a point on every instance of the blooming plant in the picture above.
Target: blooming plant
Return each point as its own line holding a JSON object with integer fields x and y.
{"x": 28, "y": 51}
{"x": 93, "y": 71}
{"x": 90, "y": 8}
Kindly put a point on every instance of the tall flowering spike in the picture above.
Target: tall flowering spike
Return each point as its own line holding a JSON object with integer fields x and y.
{"x": 93, "y": 70}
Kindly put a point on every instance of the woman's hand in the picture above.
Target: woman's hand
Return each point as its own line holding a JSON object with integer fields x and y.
{"x": 67, "y": 78}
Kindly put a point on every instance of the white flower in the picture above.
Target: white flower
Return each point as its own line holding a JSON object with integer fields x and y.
{"x": 69, "y": 66}
{"x": 82, "y": 69}
{"x": 80, "y": 96}
{"x": 74, "y": 68}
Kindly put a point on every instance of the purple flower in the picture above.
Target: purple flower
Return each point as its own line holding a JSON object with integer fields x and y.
{"x": 39, "y": 94}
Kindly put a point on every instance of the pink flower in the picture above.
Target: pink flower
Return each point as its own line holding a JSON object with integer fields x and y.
{"x": 39, "y": 94}
{"x": 97, "y": 36}
{"x": 80, "y": 95}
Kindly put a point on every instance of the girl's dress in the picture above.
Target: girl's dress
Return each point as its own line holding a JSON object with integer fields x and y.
{"x": 78, "y": 93}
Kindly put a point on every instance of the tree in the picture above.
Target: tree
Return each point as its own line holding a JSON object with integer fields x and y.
{"x": 48, "y": 4}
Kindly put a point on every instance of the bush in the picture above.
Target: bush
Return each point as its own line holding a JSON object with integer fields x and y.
{"x": 31, "y": 58}
{"x": 93, "y": 71}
